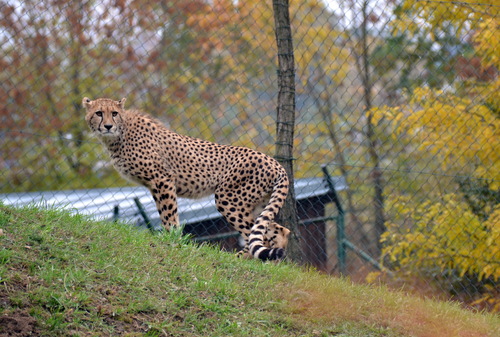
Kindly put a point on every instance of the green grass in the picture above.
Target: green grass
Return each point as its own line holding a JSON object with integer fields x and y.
{"x": 74, "y": 277}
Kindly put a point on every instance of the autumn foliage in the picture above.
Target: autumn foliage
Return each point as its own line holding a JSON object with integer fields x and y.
{"x": 401, "y": 98}
{"x": 453, "y": 236}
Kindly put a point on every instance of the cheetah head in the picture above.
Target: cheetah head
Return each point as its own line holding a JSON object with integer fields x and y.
{"x": 104, "y": 116}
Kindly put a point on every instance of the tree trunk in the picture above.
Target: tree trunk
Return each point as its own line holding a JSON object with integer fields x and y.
{"x": 285, "y": 121}
{"x": 376, "y": 174}
{"x": 327, "y": 110}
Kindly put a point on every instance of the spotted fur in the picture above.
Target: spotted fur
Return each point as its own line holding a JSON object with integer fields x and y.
{"x": 143, "y": 150}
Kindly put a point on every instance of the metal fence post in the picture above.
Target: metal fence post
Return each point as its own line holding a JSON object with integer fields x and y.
{"x": 116, "y": 213}
{"x": 340, "y": 223}
{"x": 144, "y": 215}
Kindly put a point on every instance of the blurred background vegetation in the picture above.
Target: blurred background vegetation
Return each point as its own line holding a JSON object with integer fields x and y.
{"x": 400, "y": 97}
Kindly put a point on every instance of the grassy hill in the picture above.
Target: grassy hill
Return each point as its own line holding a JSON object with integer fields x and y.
{"x": 63, "y": 275}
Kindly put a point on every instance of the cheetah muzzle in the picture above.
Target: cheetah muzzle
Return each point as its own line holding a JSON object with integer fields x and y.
{"x": 143, "y": 150}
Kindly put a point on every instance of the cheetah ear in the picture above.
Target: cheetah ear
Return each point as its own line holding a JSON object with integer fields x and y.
{"x": 86, "y": 102}
{"x": 121, "y": 103}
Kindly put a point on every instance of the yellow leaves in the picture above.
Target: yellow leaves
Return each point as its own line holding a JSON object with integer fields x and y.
{"x": 372, "y": 277}
{"x": 378, "y": 113}
{"x": 404, "y": 24}
{"x": 440, "y": 13}
{"x": 487, "y": 38}
{"x": 255, "y": 23}
{"x": 444, "y": 235}
{"x": 491, "y": 299}
{"x": 462, "y": 132}
{"x": 319, "y": 56}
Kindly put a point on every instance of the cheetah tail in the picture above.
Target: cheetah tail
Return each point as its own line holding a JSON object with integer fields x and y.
{"x": 256, "y": 238}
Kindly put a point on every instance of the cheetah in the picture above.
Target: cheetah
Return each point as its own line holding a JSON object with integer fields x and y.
{"x": 170, "y": 165}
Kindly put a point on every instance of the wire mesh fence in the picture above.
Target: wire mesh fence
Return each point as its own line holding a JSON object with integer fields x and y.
{"x": 396, "y": 148}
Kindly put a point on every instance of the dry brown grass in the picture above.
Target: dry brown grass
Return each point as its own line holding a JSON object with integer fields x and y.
{"x": 320, "y": 298}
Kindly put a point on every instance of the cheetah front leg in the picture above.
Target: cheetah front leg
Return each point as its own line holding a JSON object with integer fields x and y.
{"x": 238, "y": 214}
{"x": 165, "y": 197}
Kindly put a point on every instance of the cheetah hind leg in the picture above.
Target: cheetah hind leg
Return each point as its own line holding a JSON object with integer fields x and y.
{"x": 264, "y": 224}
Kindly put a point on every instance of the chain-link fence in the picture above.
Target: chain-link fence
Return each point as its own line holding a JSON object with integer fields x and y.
{"x": 396, "y": 149}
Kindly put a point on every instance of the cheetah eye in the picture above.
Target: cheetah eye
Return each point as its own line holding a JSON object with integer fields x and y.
{"x": 98, "y": 113}
{"x": 114, "y": 113}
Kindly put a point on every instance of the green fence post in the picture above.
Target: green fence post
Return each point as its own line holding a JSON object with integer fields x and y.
{"x": 116, "y": 213}
{"x": 341, "y": 247}
{"x": 341, "y": 240}
{"x": 144, "y": 215}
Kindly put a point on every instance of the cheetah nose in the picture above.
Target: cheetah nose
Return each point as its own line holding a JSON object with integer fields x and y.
{"x": 108, "y": 126}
